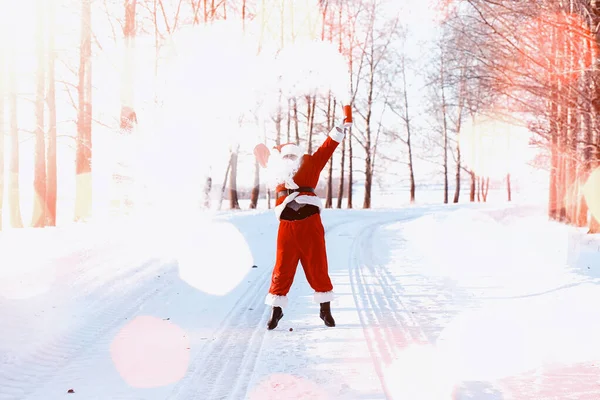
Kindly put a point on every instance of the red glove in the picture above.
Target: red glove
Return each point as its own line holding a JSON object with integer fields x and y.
{"x": 262, "y": 153}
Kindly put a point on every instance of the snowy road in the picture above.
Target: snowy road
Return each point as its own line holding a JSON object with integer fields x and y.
{"x": 433, "y": 303}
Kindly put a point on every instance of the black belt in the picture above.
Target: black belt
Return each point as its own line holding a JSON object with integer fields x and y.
{"x": 287, "y": 192}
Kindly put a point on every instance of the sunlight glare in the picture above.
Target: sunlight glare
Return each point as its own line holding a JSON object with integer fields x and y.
{"x": 213, "y": 257}
{"x": 419, "y": 373}
{"x": 493, "y": 147}
{"x": 314, "y": 67}
{"x": 219, "y": 88}
{"x": 150, "y": 352}
{"x": 494, "y": 341}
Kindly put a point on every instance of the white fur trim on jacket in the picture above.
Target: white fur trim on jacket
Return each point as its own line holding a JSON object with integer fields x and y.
{"x": 302, "y": 199}
{"x": 323, "y": 297}
{"x": 290, "y": 184}
{"x": 337, "y": 134}
{"x": 276, "y": 301}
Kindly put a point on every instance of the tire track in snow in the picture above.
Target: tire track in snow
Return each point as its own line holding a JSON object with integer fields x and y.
{"x": 115, "y": 301}
{"x": 234, "y": 337}
{"x": 222, "y": 368}
{"x": 386, "y": 321}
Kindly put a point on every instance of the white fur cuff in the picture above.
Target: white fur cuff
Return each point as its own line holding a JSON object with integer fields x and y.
{"x": 323, "y": 297}
{"x": 337, "y": 134}
{"x": 276, "y": 301}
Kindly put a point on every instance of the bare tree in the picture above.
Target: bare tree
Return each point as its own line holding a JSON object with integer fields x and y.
{"x": 255, "y": 187}
{"x": 311, "y": 105}
{"x": 542, "y": 55}
{"x": 458, "y": 124}
{"x": 376, "y": 43}
{"x": 83, "y": 195}
{"x": 330, "y": 116}
{"x": 128, "y": 115}
{"x": 51, "y": 172}
{"x": 233, "y": 194}
{"x": 39, "y": 183}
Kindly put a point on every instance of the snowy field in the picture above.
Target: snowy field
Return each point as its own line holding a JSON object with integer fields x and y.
{"x": 469, "y": 301}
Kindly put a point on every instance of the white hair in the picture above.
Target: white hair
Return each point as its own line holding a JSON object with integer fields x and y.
{"x": 281, "y": 170}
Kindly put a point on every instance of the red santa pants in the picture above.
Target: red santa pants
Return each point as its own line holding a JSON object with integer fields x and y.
{"x": 300, "y": 241}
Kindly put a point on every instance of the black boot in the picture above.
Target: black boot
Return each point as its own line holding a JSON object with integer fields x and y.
{"x": 326, "y": 314}
{"x": 276, "y": 315}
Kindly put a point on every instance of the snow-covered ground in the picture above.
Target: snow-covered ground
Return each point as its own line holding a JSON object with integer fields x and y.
{"x": 465, "y": 301}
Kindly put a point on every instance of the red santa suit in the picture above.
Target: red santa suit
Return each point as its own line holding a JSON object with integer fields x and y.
{"x": 302, "y": 240}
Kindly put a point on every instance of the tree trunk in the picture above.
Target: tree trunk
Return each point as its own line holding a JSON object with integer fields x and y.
{"x": 461, "y": 104}
{"x": 83, "y": 195}
{"x": 128, "y": 114}
{"x": 350, "y": 169}
{"x": 330, "y": 123}
{"x": 51, "y": 173}
{"x": 411, "y": 169}
{"x": 445, "y": 129}
{"x": 485, "y": 187}
{"x": 367, "y": 141}
{"x": 562, "y": 166}
{"x": 256, "y": 187}
{"x": 224, "y": 186}
{"x": 458, "y": 166}
{"x": 244, "y": 15}
{"x": 38, "y": 218}
{"x": 342, "y": 173}
{"x": 554, "y": 132}
{"x": 311, "y": 105}
{"x": 594, "y": 16}
{"x": 343, "y": 151}
{"x": 472, "y": 191}
{"x": 563, "y": 139}
{"x": 588, "y": 133}
{"x": 233, "y": 194}
{"x": 207, "y": 190}
{"x": 368, "y": 183}
{"x": 508, "y": 188}
{"x": 572, "y": 132}
{"x": 408, "y": 122}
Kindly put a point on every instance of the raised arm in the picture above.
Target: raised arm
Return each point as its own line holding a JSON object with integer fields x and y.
{"x": 322, "y": 155}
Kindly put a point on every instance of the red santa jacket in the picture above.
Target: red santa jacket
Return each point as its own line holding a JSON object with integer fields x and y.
{"x": 309, "y": 172}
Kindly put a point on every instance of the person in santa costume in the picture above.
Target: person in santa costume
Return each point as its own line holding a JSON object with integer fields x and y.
{"x": 301, "y": 235}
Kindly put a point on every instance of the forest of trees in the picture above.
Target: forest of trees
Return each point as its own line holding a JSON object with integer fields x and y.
{"x": 535, "y": 62}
